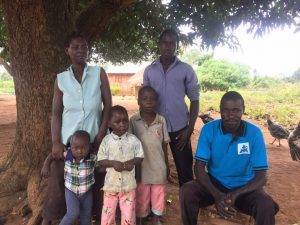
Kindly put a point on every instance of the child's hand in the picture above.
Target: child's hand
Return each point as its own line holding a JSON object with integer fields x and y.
{"x": 129, "y": 165}
{"x": 118, "y": 166}
{"x": 45, "y": 172}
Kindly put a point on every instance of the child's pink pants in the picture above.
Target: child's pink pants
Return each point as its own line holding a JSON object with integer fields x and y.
{"x": 127, "y": 207}
{"x": 151, "y": 193}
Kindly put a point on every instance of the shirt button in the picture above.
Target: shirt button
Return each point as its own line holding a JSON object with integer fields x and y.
{"x": 80, "y": 101}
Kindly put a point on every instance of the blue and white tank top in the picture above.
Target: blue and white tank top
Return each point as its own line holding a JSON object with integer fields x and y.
{"x": 82, "y": 102}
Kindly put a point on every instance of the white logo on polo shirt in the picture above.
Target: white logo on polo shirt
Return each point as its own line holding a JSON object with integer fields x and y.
{"x": 243, "y": 148}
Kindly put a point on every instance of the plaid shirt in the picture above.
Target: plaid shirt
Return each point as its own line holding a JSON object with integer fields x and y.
{"x": 79, "y": 177}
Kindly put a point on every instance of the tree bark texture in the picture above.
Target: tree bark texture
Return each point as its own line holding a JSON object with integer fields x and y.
{"x": 36, "y": 32}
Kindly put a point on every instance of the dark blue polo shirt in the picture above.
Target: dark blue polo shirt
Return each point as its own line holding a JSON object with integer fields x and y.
{"x": 232, "y": 161}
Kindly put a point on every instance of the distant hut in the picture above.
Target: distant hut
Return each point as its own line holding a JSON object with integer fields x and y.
{"x": 136, "y": 81}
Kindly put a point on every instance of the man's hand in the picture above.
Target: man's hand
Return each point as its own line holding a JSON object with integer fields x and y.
{"x": 183, "y": 138}
{"x": 230, "y": 199}
{"x": 224, "y": 206}
{"x": 58, "y": 150}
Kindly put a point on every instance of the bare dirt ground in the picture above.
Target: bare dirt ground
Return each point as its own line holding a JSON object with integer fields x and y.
{"x": 283, "y": 176}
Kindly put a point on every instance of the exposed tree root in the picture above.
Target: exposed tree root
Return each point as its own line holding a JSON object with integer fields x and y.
{"x": 36, "y": 217}
{"x": 35, "y": 192}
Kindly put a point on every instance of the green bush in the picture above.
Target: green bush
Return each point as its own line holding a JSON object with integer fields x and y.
{"x": 4, "y": 76}
{"x": 7, "y": 86}
{"x": 115, "y": 90}
{"x": 263, "y": 82}
{"x": 222, "y": 75}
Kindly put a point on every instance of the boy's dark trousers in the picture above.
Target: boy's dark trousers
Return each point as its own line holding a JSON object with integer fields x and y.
{"x": 183, "y": 159}
{"x": 78, "y": 207}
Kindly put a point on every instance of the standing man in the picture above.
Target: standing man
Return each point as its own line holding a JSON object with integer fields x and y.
{"x": 173, "y": 80}
{"x": 234, "y": 152}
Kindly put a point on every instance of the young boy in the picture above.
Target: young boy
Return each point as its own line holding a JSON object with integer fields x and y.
{"x": 79, "y": 178}
{"x": 151, "y": 129}
{"x": 119, "y": 152}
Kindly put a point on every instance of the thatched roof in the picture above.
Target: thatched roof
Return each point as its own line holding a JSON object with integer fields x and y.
{"x": 137, "y": 78}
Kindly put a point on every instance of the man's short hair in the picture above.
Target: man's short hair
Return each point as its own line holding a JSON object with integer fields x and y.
{"x": 232, "y": 95}
{"x": 147, "y": 88}
{"x": 171, "y": 32}
{"x": 117, "y": 109}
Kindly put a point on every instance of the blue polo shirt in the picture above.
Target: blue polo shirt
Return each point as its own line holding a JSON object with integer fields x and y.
{"x": 232, "y": 161}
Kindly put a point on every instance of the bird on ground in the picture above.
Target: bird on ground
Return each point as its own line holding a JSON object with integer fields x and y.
{"x": 276, "y": 130}
{"x": 294, "y": 143}
{"x": 205, "y": 117}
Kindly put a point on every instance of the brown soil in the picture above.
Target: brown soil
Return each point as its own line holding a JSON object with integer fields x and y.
{"x": 283, "y": 176}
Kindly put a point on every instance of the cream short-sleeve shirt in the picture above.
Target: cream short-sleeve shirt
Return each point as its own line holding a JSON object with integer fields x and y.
{"x": 121, "y": 149}
{"x": 153, "y": 168}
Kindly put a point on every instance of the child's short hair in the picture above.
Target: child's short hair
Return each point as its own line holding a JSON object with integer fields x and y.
{"x": 117, "y": 109}
{"x": 147, "y": 88}
{"x": 80, "y": 133}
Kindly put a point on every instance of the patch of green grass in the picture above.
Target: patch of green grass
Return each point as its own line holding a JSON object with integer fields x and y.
{"x": 7, "y": 86}
{"x": 281, "y": 101}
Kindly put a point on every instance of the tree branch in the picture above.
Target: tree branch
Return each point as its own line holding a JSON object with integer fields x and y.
{"x": 95, "y": 19}
{"x": 6, "y": 66}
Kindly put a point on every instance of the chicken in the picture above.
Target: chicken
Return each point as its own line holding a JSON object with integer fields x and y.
{"x": 294, "y": 143}
{"x": 205, "y": 117}
{"x": 276, "y": 130}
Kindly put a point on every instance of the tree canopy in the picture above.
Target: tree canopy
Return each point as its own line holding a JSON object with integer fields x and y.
{"x": 127, "y": 30}
{"x": 194, "y": 56}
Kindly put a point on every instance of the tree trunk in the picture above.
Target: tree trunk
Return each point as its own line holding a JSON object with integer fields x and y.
{"x": 36, "y": 30}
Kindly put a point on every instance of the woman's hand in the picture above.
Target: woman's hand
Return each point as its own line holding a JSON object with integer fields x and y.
{"x": 45, "y": 172}
{"x": 58, "y": 150}
{"x": 97, "y": 141}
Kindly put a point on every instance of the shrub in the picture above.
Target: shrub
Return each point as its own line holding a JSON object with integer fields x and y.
{"x": 222, "y": 75}
{"x": 115, "y": 90}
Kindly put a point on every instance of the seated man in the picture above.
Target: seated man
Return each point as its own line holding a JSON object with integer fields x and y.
{"x": 234, "y": 152}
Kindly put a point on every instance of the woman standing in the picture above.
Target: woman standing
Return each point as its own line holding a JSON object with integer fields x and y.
{"x": 81, "y": 101}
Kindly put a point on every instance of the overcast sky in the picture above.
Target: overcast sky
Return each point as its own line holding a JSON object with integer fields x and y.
{"x": 275, "y": 54}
